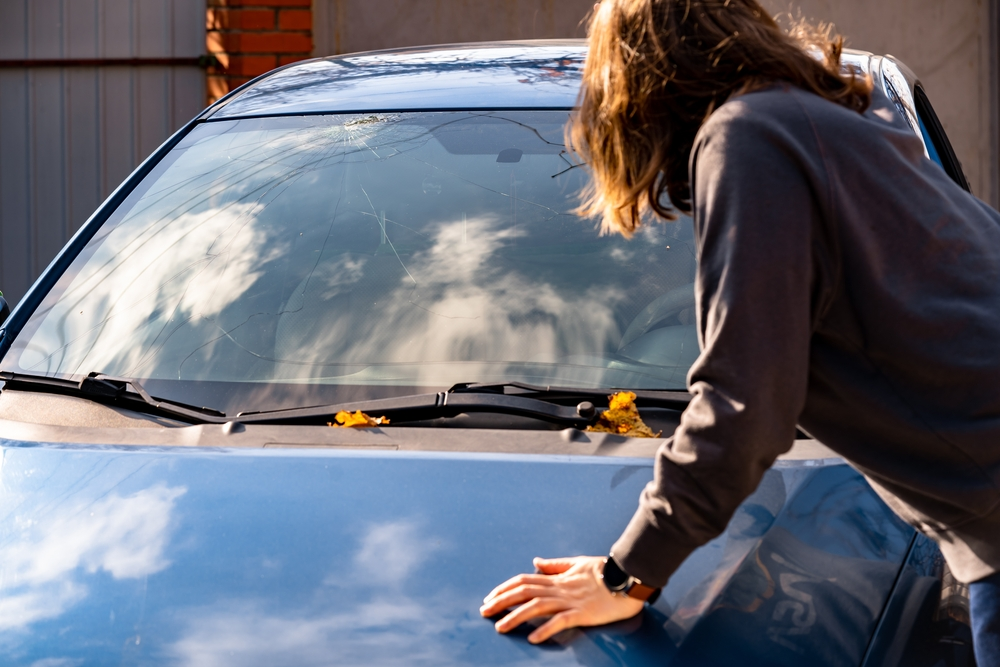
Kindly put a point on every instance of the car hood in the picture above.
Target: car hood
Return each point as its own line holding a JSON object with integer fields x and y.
{"x": 211, "y": 557}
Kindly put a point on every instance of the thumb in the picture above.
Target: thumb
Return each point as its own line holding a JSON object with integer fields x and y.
{"x": 553, "y": 565}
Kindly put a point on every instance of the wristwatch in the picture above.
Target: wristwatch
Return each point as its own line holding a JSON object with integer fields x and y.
{"x": 619, "y": 581}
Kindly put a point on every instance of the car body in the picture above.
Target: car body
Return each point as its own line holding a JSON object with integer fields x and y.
{"x": 142, "y": 528}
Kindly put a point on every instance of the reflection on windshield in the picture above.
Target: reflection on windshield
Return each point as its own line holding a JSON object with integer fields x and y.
{"x": 379, "y": 250}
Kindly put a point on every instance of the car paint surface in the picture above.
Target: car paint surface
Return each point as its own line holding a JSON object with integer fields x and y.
{"x": 222, "y": 557}
{"x": 499, "y": 75}
{"x": 488, "y": 77}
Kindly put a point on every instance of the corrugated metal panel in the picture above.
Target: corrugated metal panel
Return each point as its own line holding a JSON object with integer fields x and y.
{"x": 70, "y": 135}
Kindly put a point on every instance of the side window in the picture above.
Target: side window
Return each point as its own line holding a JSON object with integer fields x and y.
{"x": 938, "y": 147}
{"x": 932, "y": 151}
{"x": 916, "y": 110}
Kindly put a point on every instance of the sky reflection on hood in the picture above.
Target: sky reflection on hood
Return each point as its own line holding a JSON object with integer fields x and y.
{"x": 230, "y": 558}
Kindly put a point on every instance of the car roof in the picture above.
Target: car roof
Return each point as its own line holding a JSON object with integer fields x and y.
{"x": 533, "y": 74}
{"x": 495, "y": 75}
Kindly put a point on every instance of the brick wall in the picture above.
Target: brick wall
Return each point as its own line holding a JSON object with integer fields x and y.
{"x": 250, "y": 37}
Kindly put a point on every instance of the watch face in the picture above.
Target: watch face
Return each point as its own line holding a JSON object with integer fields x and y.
{"x": 614, "y": 577}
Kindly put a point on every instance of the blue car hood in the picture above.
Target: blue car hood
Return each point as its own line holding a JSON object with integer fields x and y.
{"x": 175, "y": 556}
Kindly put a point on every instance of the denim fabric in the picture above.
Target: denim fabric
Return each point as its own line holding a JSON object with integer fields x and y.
{"x": 984, "y": 604}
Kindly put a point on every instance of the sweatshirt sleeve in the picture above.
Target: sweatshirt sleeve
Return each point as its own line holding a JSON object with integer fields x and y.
{"x": 757, "y": 186}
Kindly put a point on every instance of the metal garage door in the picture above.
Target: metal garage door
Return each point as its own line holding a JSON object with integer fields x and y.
{"x": 88, "y": 88}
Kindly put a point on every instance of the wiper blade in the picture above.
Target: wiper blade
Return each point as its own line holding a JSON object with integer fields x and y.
{"x": 566, "y": 406}
{"x": 109, "y": 389}
{"x": 443, "y": 404}
{"x": 668, "y": 398}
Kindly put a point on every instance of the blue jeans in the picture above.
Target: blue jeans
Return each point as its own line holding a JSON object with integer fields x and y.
{"x": 984, "y": 607}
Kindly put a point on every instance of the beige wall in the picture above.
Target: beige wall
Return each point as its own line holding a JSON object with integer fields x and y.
{"x": 345, "y": 26}
{"x": 950, "y": 44}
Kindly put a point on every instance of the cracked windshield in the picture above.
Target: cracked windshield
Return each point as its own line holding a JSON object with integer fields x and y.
{"x": 276, "y": 262}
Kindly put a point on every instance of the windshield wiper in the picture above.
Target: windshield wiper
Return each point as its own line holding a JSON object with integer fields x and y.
{"x": 444, "y": 404}
{"x": 676, "y": 399}
{"x": 565, "y": 406}
{"x": 114, "y": 390}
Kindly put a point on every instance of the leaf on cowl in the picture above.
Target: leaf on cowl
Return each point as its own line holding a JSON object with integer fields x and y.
{"x": 622, "y": 418}
{"x": 344, "y": 419}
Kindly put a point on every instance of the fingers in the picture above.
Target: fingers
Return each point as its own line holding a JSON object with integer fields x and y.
{"x": 515, "y": 596}
{"x": 519, "y": 580}
{"x": 546, "y": 566}
{"x": 534, "y": 609}
{"x": 568, "y": 589}
{"x": 556, "y": 624}
{"x": 553, "y": 565}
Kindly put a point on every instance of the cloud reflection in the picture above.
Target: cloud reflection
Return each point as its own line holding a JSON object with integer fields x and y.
{"x": 249, "y": 634}
{"x": 142, "y": 286}
{"x": 246, "y": 633}
{"x": 392, "y": 552}
{"x": 124, "y": 536}
{"x": 57, "y": 662}
{"x": 312, "y": 251}
{"x": 467, "y": 301}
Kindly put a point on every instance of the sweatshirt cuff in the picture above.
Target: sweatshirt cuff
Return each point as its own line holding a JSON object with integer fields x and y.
{"x": 647, "y": 553}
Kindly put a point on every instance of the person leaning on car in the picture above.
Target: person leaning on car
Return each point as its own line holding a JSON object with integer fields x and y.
{"x": 844, "y": 283}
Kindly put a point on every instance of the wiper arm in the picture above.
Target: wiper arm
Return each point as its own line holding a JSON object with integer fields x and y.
{"x": 675, "y": 399}
{"x": 109, "y": 389}
{"x": 421, "y": 407}
{"x": 565, "y": 406}
{"x": 557, "y": 405}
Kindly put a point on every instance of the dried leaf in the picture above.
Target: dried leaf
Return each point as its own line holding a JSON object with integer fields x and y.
{"x": 623, "y": 400}
{"x": 622, "y": 418}
{"x": 344, "y": 419}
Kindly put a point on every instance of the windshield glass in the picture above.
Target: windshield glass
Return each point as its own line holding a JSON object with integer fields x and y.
{"x": 274, "y": 262}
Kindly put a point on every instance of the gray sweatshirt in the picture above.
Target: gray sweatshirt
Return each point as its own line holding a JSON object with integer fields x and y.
{"x": 847, "y": 285}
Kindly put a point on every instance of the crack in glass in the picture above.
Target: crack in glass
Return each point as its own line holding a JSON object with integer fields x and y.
{"x": 376, "y": 250}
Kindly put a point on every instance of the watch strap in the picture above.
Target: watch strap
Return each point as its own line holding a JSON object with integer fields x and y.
{"x": 619, "y": 581}
{"x": 643, "y": 592}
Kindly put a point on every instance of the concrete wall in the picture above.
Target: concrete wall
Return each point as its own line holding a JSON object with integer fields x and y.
{"x": 345, "y": 26}
{"x": 950, "y": 44}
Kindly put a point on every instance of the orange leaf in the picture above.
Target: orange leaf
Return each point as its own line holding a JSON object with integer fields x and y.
{"x": 623, "y": 400}
{"x": 622, "y": 417}
{"x": 344, "y": 419}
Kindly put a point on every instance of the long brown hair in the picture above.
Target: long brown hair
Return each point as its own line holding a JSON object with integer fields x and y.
{"x": 655, "y": 71}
